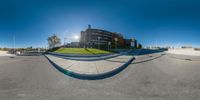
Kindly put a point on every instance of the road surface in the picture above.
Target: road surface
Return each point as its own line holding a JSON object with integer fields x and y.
{"x": 150, "y": 77}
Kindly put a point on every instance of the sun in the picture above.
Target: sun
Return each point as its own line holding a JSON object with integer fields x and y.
{"x": 76, "y": 37}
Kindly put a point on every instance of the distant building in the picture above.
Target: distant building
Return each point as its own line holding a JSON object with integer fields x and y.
{"x": 98, "y": 38}
{"x": 72, "y": 45}
{"x": 186, "y": 47}
{"x": 132, "y": 43}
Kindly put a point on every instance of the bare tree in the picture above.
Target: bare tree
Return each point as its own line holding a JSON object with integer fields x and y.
{"x": 53, "y": 41}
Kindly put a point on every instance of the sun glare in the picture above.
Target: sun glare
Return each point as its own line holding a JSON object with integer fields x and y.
{"x": 76, "y": 37}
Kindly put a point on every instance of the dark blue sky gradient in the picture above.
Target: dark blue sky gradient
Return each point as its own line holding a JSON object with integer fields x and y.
{"x": 152, "y": 22}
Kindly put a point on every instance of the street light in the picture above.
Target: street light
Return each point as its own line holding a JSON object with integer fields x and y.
{"x": 116, "y": 39}
{"x": 99, "y": 42}
{"x": 109, "y": 43}
{"x": 65, "y": 41}
{"x": 13, "y": 44}
{"x": 84, "y": 39}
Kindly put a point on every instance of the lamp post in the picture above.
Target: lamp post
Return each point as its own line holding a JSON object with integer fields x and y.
{"x": 65, "y": 41}
{"x": 109, "y": 43}
{"x": 84, "y": 40}
{"x": 99, "y": 42}
{"x": 116, "y": 39}
{"x": 13, "y": 44}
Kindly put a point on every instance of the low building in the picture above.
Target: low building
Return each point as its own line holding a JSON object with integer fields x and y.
{"x": 72, "y": 45}
{"x": 131, "y": 43}
{"x": 186, "y": 46}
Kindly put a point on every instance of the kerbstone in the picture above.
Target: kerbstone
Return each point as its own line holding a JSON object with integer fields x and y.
{"x": 90, "y": 67}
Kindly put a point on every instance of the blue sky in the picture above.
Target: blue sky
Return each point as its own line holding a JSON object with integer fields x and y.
{"x": 152, "y": 22}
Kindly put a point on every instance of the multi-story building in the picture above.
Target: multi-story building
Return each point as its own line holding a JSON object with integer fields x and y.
{"x": 98, "y": 38}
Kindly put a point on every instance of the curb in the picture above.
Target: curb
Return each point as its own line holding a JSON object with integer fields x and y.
{"x": 90, "y": 76}
{"x": 149, "y": 59}
{"x": 88, "y": 58}
{"x": 77, "y": 55}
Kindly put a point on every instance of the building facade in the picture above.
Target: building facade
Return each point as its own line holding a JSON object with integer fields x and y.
{"x": 102, "y": 39}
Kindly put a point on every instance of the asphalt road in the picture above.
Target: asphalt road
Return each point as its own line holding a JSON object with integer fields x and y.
{"x": 149, "y": 77}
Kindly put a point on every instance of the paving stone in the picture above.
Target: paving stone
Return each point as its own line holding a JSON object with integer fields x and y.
{"x": 84, "y": 68}
{"x": 106, "y": 66}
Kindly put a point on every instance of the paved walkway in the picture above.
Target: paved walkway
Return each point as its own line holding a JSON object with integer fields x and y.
{"x": 5, "y": 53}
{"x": 184, "y": 57}
{"x": 184, "y": 51}
{"x": 90, "y": 67}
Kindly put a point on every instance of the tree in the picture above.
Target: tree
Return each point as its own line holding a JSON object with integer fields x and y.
{"x": 139, "y": 46}
{"x": 53, "y": 41}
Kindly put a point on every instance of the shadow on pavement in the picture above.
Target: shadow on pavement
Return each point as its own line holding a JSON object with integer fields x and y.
{"x": 147, "y": 51}
{"x": 91, "y": 77}
{"x": 148, "y": 59}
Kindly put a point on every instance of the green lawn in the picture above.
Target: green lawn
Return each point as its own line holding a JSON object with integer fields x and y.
{"x": 81, "y": 51}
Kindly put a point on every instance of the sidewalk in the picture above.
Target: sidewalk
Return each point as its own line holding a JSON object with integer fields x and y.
{"x": 85, "y": 57}
{"x": 183, "y": 57}
{"x": 5, "y": 53}
{"x": 91, "y": 68}
{"x": 184, "y": 51}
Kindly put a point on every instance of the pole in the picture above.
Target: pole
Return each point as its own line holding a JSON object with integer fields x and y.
{"x": 115, "y": 44}
{"x": 98, "y": 42}
{"x": 13, "y": 44}
{"x": 116, "y": 39}
{"x": 84, "y": 40}
{"x": 65, "y": 41}
{"x": 109, "y": 43}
